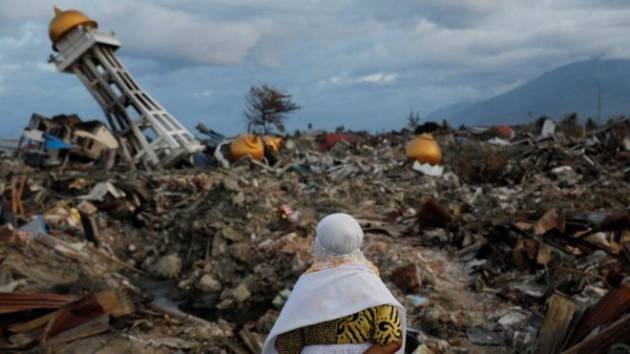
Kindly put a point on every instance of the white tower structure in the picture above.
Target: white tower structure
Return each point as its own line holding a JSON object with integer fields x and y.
{"x": 149, "y": 135}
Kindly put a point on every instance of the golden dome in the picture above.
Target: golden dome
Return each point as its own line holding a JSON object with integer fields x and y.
{"x": 424, "y": 149}
{"x": 247, "y": 144}
{"x": 273, "y": 142}
{"x": 66, "y": 21}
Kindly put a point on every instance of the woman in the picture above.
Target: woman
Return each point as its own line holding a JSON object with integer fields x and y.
{"x": 339, "y": 305}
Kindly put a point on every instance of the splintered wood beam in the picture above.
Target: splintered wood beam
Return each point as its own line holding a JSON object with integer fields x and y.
{"x": 606, "y": 311}
{"x": 557, "y": 324}
{"x": 31, "y": 325}
{"x": 16, "y": 302}
{"x": 79, "y": 313}
{"x": 599, "y": 343}
{"x": 90, "y": 328}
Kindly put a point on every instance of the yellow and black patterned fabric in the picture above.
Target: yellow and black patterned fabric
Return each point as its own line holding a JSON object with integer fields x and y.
{"x": 379, "y": 325}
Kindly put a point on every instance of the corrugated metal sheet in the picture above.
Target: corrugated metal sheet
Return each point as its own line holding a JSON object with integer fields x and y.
{"x": 16, "y": 302}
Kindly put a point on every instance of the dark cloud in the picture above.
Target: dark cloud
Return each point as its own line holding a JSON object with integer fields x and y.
{"x": 348, "y": 62}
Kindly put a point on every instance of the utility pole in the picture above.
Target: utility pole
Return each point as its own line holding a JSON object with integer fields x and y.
{"x": 599, "y": 103}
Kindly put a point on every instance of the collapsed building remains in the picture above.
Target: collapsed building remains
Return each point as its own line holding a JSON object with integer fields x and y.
{"x": 150, "y": 136}
{"x": 521, "y": 245}
{"x": 50, "y": 141}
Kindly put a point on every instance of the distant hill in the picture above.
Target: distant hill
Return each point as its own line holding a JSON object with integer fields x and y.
{"x": 448, "y": 111}
{"x": 570, "y": 88}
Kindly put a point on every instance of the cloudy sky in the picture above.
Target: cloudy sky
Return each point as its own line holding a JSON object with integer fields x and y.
{"x": 363, "y": 64}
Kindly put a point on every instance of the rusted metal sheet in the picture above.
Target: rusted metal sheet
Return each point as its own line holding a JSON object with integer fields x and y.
{"x": 599, "y": 343}
{"x": 606, "y": 311}
{"x": 16, "y": 302}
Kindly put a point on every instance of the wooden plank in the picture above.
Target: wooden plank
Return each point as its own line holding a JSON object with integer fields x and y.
{"x": 551, "y": 220}
{"x": 87, "y": 329}
{"x": 606, "y": 311}
{"x": 31, "y": 325}
{"x": 250, "y": 341}
{"x": 115, "y": 302}
{"x": 16, "y": 302}
{"x": 599, "y": 343}
{"x": 625, "y": 242}
{"x": 557, "y": 324}
{"x": 78, "y": 313}
{"x": 433, "y": 214}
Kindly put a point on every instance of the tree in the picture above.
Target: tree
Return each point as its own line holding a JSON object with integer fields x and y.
{"x": 570, "y": 121}
{"x": 266, "y": 108}
{"x": 570, "y": 127}
{"x": 413, "y": 120}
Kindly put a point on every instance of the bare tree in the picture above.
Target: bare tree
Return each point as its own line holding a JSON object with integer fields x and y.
{"x": 413, "y": 119}
{"x": 266, "y": 108}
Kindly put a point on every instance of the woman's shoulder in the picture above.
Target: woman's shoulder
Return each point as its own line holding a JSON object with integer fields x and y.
{"x": 384, "y": 309}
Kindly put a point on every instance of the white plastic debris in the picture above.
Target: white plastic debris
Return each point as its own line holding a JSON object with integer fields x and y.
{"x": 499, "y": 142}
{"x": 475, "y": 195}
{"x": 566, "y": 174}
{"x": 100, "y": 190}
{"x": 35, "y": 135}
{"x": 512, "y": 319}
{"x": 548, "y": 129}
{"x": 429, "y": 170}
{"x": 219, "y": 155}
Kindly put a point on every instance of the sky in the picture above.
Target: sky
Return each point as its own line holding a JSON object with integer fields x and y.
{"x": 361, "y": 64}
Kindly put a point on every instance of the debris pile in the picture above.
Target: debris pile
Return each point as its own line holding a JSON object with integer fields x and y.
{"x": 520, "y": 245}
{"x": 53, "y": 141}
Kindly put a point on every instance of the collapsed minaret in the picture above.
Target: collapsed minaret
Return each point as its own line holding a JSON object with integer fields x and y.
{"x": 149, "y": 135}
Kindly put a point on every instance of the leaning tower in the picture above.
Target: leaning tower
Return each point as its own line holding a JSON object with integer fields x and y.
{"x": 150, "y": 136}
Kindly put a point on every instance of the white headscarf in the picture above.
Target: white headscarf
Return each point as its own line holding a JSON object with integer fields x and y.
{"x": 340, "y": 283}
{"x": 338, "y": 235}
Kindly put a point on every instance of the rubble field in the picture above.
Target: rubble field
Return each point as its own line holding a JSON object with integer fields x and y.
{"x": 522, "y": 244}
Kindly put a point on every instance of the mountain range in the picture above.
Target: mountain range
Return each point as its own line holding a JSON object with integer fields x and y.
{"x": 578, "y": 87}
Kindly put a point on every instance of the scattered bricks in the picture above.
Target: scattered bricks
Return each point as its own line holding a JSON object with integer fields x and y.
{"x": 241, "y": 251}
{"x": 533, "y": 218}
{"x": 550, "y": 221}
{"x": 241, "y": 293}
{"x": 208, "y": 284}
{"x": 433, "y": 214}
{"x": 281, "y": 298}
{"x": 407, "y": 278}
